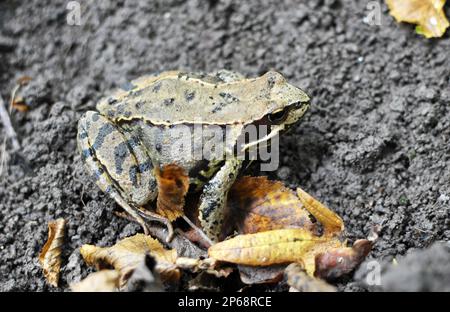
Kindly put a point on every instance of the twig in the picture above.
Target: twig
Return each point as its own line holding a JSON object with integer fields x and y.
{"x": 199, "y": 231}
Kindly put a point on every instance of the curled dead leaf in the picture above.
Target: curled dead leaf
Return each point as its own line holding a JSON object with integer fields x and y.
{"x": 300, "y": 281}
{"x": 101, "y": 281}
{"x": 50, "y": 256}
{"x": 173, "y": 185}
{"x": 126, "y": 254}
{"x": 427, "y": 14}
{"x": 336, "y": 262}
{"x": 256, "y": 204}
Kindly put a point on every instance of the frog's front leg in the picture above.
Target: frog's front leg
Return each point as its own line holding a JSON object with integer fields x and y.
{"x": 117, "y": 162}
{"x": 214, "y": 196}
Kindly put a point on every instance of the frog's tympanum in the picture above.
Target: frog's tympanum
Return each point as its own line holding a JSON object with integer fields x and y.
{"x": 131, "y": 133}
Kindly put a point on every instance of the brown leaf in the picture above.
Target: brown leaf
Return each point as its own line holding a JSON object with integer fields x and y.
{"x": 427, "y": 14}
{"x": 256, "y": 204}
{"x": 300, "y": 281}
{"x": 102, "y": 281}
{"x": 126, "y": 254}
{"x": 20, "y": 105}
{"x": 173, "y": 185}
{"x": 335, "y": 262}
{"x": 50, "y": 256}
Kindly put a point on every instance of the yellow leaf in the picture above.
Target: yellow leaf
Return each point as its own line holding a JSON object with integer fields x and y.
{"x": 126, "y": 254}
{"x": 273, "y": 247}
{"x": 104, "y": 280}
{"x": 427, "y": 14}
{"x": 50, "y": 256}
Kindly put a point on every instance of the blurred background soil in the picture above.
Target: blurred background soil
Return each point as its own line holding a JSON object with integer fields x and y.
{"x": 374, "y": 146}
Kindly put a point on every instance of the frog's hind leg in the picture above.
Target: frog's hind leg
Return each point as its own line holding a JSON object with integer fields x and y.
{"x": 117, "y": 163}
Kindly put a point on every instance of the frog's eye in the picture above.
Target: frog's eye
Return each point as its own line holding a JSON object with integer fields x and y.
{"x": 278, "y": 117}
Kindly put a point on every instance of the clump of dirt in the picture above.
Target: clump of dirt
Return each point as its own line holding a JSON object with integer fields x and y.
{"x": 374, "y": 146}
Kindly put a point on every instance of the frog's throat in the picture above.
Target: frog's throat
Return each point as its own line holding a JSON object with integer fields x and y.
{"x": 274, "y": 131}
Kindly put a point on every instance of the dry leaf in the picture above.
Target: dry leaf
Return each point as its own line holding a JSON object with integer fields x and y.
{"x": 207, "y": 265}
{"x": 274, "y": 247}
{"x": 20, "y": 105}
{"x": 126, "y": 254}
{"x": 336, "y": 262}
{"x": 256, "y": 204}
{"x": 50, "y": 256}
{"x": 298, "y": 279}
{"x": 173, "y": 185}
{"x": 427, "y": 14}
{"x": 102, "y": 281}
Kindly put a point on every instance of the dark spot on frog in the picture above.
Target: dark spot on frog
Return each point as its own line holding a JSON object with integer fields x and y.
{"x": 189, "y": 95}
{"x": 110, "y": 113}
{"x": 82, "y": 135}
{"x": 127, "y": 114}
{"x": 169, "y": 102}
{"x": 135, "y": 93}
{"x": 120, "y": 154}
{"x": 156, "y": 87}
{"x": 101, "y": 135}
{"x": 158, "y": 147}
{"x": 112, "y": 101}
{"x": 132, "y": 173}
{"x": 228, "y": 97}
{"x": 271, "y": 81}
{"x": 139, "y": 105}
{"x": 95, "y": 117}
{"x": 218, "y": 107}
{"x": 128, "y": 86}
{"x": 211, "y": 98}
{"x": 87, "y": 153}
{"x": 121, "y": 108}
{"x": 145, "y": 167}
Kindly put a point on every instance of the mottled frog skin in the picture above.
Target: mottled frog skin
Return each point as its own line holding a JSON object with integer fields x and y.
{"x": 125, "y": 139}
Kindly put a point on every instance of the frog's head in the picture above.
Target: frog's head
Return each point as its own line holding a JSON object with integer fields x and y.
{"x": 286, "y": 105}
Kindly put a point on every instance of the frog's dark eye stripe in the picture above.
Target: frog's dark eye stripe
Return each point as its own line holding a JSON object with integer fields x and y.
{"x": 278, "y": 117}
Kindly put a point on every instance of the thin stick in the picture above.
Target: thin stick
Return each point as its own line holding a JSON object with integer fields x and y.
{"x": 198, "y": 230}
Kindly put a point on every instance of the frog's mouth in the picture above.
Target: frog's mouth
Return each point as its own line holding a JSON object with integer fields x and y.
{"x": 275, "y": 129}
{"x": 294, "y": 114}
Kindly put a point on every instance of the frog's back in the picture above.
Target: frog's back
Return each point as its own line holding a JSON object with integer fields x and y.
{"x": 176, "y": 97}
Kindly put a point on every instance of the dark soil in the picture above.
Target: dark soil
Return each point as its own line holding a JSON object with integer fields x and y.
{"x": 374, "y": 146}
